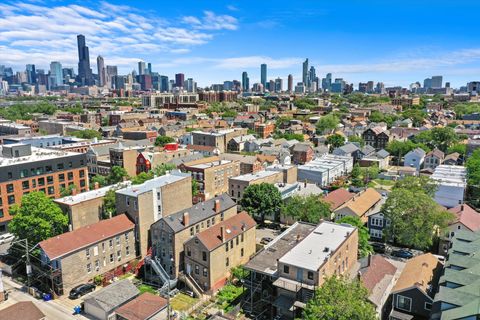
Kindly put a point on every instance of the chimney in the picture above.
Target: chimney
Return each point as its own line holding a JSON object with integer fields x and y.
{"x": 461, "y": 208}
{"x": 369, "y": 260}
{"x": 74, "y": 191}
{"x": 96, "y": 185}
{"x": 222, "y": 233}
{"x": 186, "y": 219}
{"x": 217, "y": 206}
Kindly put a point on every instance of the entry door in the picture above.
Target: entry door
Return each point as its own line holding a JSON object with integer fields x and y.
{"x": 299, "y": 274}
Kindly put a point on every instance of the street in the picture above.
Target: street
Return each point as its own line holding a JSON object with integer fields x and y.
{"x": 53, "y": 310}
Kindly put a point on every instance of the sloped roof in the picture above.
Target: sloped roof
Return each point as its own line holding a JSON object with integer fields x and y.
{"x": 68, "y": 242}
{"x": 436, "y": 153}
{"x": 23, "y": 310}
{"x": 418, "y": 272}
{"x": 466, "y": 216}
{"x": 113, "y": 296}
{"x": 361, "y": 203}
{"x": 338, "y": 197}
{"x": 211, "y": 238}
{"x": 373, "y": 273}
{"x": 142, "y": 308}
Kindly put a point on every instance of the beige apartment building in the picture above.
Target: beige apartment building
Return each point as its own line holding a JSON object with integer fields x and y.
{"x": 86, "y": 208}
{"x": 212, "y": 175}
{"x": 78, "y": 256}
{"x": 238, "y": 184}
{"x": 218, "y": 139}
{"x": 153, "y": 200}
{"x": 211, "y": 254}
{"x": 170, "y": 233}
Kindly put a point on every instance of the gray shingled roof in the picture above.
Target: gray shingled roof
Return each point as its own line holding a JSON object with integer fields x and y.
{"x": 113, "y": 296}
{"x": 198, "y": 212}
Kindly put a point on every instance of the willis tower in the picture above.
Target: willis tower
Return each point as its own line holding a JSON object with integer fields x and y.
{"x": 84, "y": 71}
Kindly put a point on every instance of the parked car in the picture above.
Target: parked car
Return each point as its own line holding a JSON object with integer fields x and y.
{"x": 6, "y": 237}
{"x": 81, "y": 290}
{"x": 265, "y": 240}
{"x": 379, "y": 247}
{"x": 402, "y": 253}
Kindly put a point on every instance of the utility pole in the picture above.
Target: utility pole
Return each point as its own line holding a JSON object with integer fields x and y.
{"x": 29, "y": 267}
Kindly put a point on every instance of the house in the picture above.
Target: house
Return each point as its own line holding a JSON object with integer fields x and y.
{"x": 22, "y": 310}
{"x": 170, "y": 233}
{"x": 378, "y": 277}
{"x": 78, "y": 256}
{"x": 206, "y": 151}
{"x": 146, "y": 306}
{"x": 458, "y": 296}
{"x": 376, "y": 223}
{"x": 376, "y": 137}
{"x": 238, "y": 184}
{"x": 212, "y": 253}
{"x": 302, "y": 153}
{"x": 360, "y": 205}
{"x": 347, "y": 150}
{"x": 380, "y": 158}
{"x": 237, "y": 144}
{"x": 452, "y": 159}
{"x": 248, "y": 164}
{"x": 325, "y": 170}
{"x": 433, "y": 159}
{"x": 451, "y": 185}
{"x": 337, "y": 198}
{"x": 101, "y": 305}
{"x": 412, "y": 295}
{"x": 415, "y": 158}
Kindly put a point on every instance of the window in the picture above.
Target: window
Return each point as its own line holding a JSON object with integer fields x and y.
{"x": 48, "y": 168}
{"x": 82, "y": 184}
{"x": 119, "y": 255}
{"x": 428, "y": 306}
{"x": 89, "y": 267}
{"x": 241, "y": 237}
{"x": 310, "y": 275}
{"x": 1, "y": 213}
{"x": 197, "y": 228}
{"x": 205, "y": 272}
{"x": 126, "y": 237}
{"x": 50, "y": 180}
{"x": 61, "y": 177}
{"x": 191, "y": 231}
{"x": 226, "y": 246}
{"x": 241, "y": 252}
{"x": 227, "y": 262}
{"x": 204, "y": 256}
{"x": 25, "y": 184}
{"x": 97, "y": 265}
{"x": 103, "y": 246}
{"x": 404, "y": 303}
{"x": 286, "y": 269}
{"x": 208, "y": 223}
{"x": 11, "y": 199}
{"x": 117, "y": 240}
{"x": 34, "y": 183}
{"x": 70, "y": 176}
{"x": 51, "y": 190}
{"x": 197, "y": 270}
{"x": 70, "y": 164}
{"x": 111, "y": 258}
{"x": 41, "y": 181}
{"x": 110, "y": 242}
{"x": 82, "y": 173}
{"x": 95, "y": 251}
{"x": 60, "y": 166}
{"x": 127, "y": 250}
{"x": 231, "y": 244}
{"x": 221, "y": 216}
{"x": 10, "y": 175}
{"x": 24, "y": 173}
{"x": 189, "y": 252}
{"x": 236, "y": 241}
{"x": 10, "y": 188}
{"x": 87, "y": 252}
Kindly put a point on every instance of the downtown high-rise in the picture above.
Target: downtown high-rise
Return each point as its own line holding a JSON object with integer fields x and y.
{"x": 102, "y": 76}
{"x": 85, "y": 76}
{"x": 263, "y": 74}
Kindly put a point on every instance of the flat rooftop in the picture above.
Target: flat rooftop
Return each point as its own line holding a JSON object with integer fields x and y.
{"x": 90, "y": 195}
{"x": 255, "y": 176}
{"x": 325, "y": 163}
{"x": 214, "y": 133}
{"x": 265, "y": 261}
{"x": 450, "y": 175}
{"x": 135, "y": 190}
{"x": 38, "y": 154}
{"x": 312, "y": 252}
{"x": 207, "y": 165}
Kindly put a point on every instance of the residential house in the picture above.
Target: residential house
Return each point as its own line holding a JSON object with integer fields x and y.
{"x": 451, "y": 185}
{"x": 412, "y": 295}
{"x": 238, "y": 184}
{"x": 218, "y": 139}
{"x": 347, "y": 150}
{"x": 212, "y": 253}
{"x": 264, "y": 130}
{"x": 433, "y": 159}
{"x": 325, "y": 170}
{"x": 101, "y": 305}
{"x": 172, "y": 130}
{"x": 22, "y": 310}
{"x": 302, "y": 153}
{"x": 211, "y": 175}
{"x": 377, "y": 275}
{"x": 125, "y": 157}
{"x": 415, "y": 159}
{"x": 452, "y": 159}
{"x": 237, "y": 144}
{"x": 206, "y": 151}
{"x": 147, "y": 161}
{"x": 147, "y": 306}
{"x": 170, "y": 233}
{"x": 248, "y": 164}
{"x": 78, "y": 256}
{"x": 381, "y": 159}
{"x": 152, "y": 200}
{"x": 337, "y": 198}
{"x": 360, "y": 205}
{"x": 376, "y": 224}
{"x": 376, "y": 137}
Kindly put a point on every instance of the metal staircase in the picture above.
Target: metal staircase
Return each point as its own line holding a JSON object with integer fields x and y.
{"x": 155, "y": 264}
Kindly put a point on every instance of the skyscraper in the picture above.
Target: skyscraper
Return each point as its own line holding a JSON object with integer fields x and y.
{"x": 112, "y": 71}
{"x": 31, "y": 74}
{"x": 102, "y": 77}
{"x": 263, "y": 74}
{"x": 149, "y": 68}
{"x": 56, "y": 73}
{"x": 290, "y": 83}
{"x": 179, "y": 80}
{"x": 245, "y": 82}
{"x": 305, "y": 72}
{"x": 278, "y": 85}
{"x": 141, "y": 68}
{"x": 427, "y": 83}
{"x": 164, "y": 87}
{"x": 84, "y": 71}
{"x": 437, "y": 82}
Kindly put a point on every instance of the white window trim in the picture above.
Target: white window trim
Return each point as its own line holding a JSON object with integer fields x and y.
{"x": 398, "y": 296}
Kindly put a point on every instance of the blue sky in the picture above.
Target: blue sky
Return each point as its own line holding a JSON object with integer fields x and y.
{"x": 213, "y": 41}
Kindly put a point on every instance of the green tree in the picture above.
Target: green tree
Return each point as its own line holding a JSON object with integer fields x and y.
{"x": 364, "y": 247}
{"x": 440, "y": 138}
{"x": 65, "y": 192}
{"x": 327, "y": 123}
{"x": 417, "y": 116}
{"x": 101, "y": 180}
{"x": 195, "y": 189}
{"x": 309, "y": 209}
{"x": 86, "y": 134}
{"x": 109, "y": 206}
{"x": 290, "y": 136}
{"x": 457, "y": 147}
{"x": 417, "y": 184}
{"x": 356, "y": 176}
{"x": 261, "y": 200}
{"x": 162, "y": 169}
{"x": 37, "y": 218}
{"x": 340, "y": 299}
{"x": 415, "y": 218}
{"x": 376, "y": 116}
{"x": 142, "y": 177}
{"x": 356, "y": 139}
{"x": 473, "y": 178}
{"x": 335, "y": 141}
{"x": 117, "y": 174}
{"x": 163, "y": 140}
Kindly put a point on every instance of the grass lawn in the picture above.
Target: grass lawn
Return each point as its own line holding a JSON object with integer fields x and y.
{"x": 146, "y": 288}
{"x": 384, "y": 182}
{"x": 182, "y": 302}
{"x": 227, "y": 296}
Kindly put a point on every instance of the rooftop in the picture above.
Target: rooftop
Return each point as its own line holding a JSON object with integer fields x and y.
{"x": 450, "y": 175}
{"x": 312, "y": 252}
{"x": 207, "y": 165}
{"x": 142, "y": 308}
{"x": 113, "y": 295}
{"x": 23, "y": 310}
{"x": 338, "y": 197}
{"x": 254, "y": 176}
{"x": 38, "y": 154}
{"x": 325, "y": 163}
{"x": 265, "y": 261}
{"x": 418, "y": 272}
{"x": 467, "y": 216}
{"x": 149, "y": 185}
{"x": 92, "y": 194}
{"x": 68, "y": 242}
{"x": 362, "y": 202}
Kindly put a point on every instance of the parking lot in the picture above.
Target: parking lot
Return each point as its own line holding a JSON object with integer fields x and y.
{"x": 266, "y": 233}
{"x": 390, "y": 248}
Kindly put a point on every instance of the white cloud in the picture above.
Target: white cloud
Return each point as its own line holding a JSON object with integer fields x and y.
{"x": 37, "y": 33}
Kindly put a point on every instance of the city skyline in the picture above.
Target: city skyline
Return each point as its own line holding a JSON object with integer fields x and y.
{"x": 178, "y": 40}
